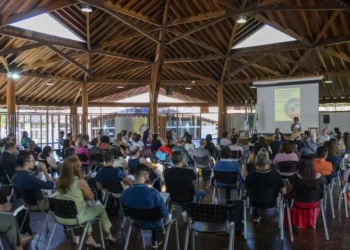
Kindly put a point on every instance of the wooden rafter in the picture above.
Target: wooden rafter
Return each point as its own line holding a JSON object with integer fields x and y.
{"x": 10, "y": 51}
{"x": 194, "y": 59}
{"x": 5, "y": 63}
{"x": 247, "y": 65}
{"x": 187, "y": 72}
{"x": 197, "y": 18}
{"x": 121, "y": 71}
{"x": 37, "y": 11}
{"x": 121, "y": 56}
{"x": 68, "y": 59}
{"x": 260, "y": 67}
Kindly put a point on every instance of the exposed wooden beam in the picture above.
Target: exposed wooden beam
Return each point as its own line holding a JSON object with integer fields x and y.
{"x": 5, "y": 63}
{"x": 326, "y": 27}
{"x": 336, "y": 54}
{"x": 194, "y": 59}
{"x": 128, "y": 88}
{"x": 44, "y": 76}
{"x": 197, "y": 18}
{"x": 42, "y": 38}
{"x": 100, "y": 5}
{"x": 121, "y": 71}
{"x": 77, "y": 96}
{"x": 186, "y": 72}
{"x": 37, "y": 11}
{"x": 146, "y": 82}
{"x": 247, "y": 65}
{"x": 260, "y": 67}
{"x": 69, "y": 59}
{"x": 121, "y": 56}
{"x": 301, "y": 60}
{"x": 10, "y": 51}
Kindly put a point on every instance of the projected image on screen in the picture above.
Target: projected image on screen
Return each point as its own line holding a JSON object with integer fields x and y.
{"x": 287, "y": 104}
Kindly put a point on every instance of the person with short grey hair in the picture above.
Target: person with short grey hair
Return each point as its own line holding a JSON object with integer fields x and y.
{"x": 263, "y": 179}
{"x": 201, "y": 151}
{"x": 308, "y": 148}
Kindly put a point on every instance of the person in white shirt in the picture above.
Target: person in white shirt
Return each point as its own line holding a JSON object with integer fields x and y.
{"x": 235, "y": 146}
{"x": 189, "y": 145}
{"x": 321, "y": 138}
{"x": 137, "y": 141}
{"x": 225, "y": 141}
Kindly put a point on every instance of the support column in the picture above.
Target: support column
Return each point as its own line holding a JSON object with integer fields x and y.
{"x": 74, "y": 121}
{"x": 84, "y": 105}
{"x": 222, "y": 111}
{"x": 11, "y": 106}
{"x": 153, "y": 104}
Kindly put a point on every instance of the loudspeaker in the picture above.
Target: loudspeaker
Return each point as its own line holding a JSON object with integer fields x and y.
{"x": 168, "y": 91}
{"x": 326, "y": 119}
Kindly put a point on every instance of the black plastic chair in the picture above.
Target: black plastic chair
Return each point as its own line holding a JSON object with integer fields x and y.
{"x": 210, "y": 219}
{"x": 150, "y": 215}
{"x": 204, "y": 164}
{"x": 287, "y": 168}
{"x": 115, "y": 191}
{"x": 229, "y": 178}
{"x": 236, "y": 154}
{"x": 265, "y": 199}
{"x": 66, "y": 209}
{"x": 30, "y": 199}
{"x": 250, "y": 167}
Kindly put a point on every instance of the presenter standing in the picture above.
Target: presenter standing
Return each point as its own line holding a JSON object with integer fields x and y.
{"x": 296, "y": 127}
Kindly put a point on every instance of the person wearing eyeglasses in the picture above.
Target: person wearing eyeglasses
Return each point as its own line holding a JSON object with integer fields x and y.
{"x": 23, "y": 180}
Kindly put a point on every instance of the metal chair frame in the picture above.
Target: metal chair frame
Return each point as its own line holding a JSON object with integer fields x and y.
{"x": 217, "y": 189}
{"x": 109, "y": 191}
{"x": 343, "y": 196}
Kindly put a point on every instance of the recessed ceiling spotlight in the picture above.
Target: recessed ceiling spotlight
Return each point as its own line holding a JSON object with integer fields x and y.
{"x": 49, "y": 83}
{"x": 86, "y": 9}
{"x": 328, "y": 80}
{"x": 13, "y": 75}
{"x": 120, "y": 87}
{"x": 253, "y": 87}
{"x": 241, "y": 20}
{"x": 193, "y": 82}
{"x": 188, "y": 87}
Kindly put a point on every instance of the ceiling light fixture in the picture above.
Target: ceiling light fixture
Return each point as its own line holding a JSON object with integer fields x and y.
{"x": 241, "y": 20}
{"x": 328, "y": 80}
{"x": 188, "y": 87}
{"x": 193, "y": 82}
{"x": 86, "y": 9}
{"x": 120, "y": 87}
{"x": 253, "y": 87}
{"x": 13, "y": 75}
{"x": 49, "y": 83}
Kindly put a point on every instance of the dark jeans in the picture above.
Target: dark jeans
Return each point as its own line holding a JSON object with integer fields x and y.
{"x": 157, "y": 235}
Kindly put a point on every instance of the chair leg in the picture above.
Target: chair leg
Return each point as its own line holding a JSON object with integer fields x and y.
{"x": 83, "y": 236}
{"x": 346, "y": 205}
{"x": 324, "y": 223}
{"x": 245, "y": 219}
{"x": 1, "y": 246}
{"x": 25, "y": 217}
{"x": 315, "y": 212}
{"x": 187, "y": 236}
{"x": 325, "y": 199}
{"x": 193, "y": 240}
{"x": 177, "y": 236}
{"x": 213, "y": 198}
{"x": 219, "y": 195}
{"x": 53, "y": 230}
{"x": 165, "y": 244}
{"x": 282, "y": 220}
{"x": 331, "y": 200}
{"x": 101, "y": 235}
{"x": 128, "y": 237}
{"x": 143, "y": 239}
{"x": 340, "y": 197}
{"x": 232, "y": 237}
{"x": 290, "y": 224}
{"x": 45, "y": 226}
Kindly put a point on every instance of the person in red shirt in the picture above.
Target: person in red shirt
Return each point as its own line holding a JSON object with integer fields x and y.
{"x": 164, "y": 148}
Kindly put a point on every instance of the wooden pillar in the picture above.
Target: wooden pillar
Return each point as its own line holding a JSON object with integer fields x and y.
{"x": 153, "y": 104}
{"x": 11, "y": 105}
{"x": 74, "y": 121}
{"x": 84, "y": 105}
{"x": 222, "y": 111}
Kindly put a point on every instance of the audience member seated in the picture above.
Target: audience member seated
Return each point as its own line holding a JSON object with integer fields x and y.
{"x": 307, "y": 188}
{"x": 298, "y": 143}
{"x": 82, "y": 150}
{"x": 46, "y": 155}
{"x": 131, "y": 136}
{"x": 346, "y": 137}
{"x": 104, "y": 143}
{"x": 23, "y": 180}
{"x": 66, "y": 144}
{"x": 189, "y": 145}
{"x": 253, "y": 140}
{"x": 185, "y": 135}
{"x": 156, "y": 143}
{"x": 140, "y": 196}
{"x": 275, "y": 145}
{"x": 31, "y": 149}
{"x": 308, "y": 148}
{"x": 68, "y": 152}
{"x": 224, "y": 140}
{"x": 135, "y": 159}
{"x": 340, "y": 143}
{"x": 307, "y": 133}
{"x": 110, "y": 175}
{"x": 322, "y": 166}
{"x": 8, "y": 162}
{"x": 11, "y": 137}
{"x": 254, "y": 153}
{"x": 164, "y": 148}
{"x": 179, "y": 183}
{"x": 235, "y": 147}
{"x": 333, "y": 154}
{"x": 124, "y": 135}
{"x": 25, "y": 139}
{"x": 169, "y": 137}
{"x": 145, "y": 137}
{"x": 278, "y": 132}
{"x": 9, "y": 227}
{"x": 323, "y": 137}
{"x": 201, "y": 151}
{"x": 137, "y": 141}
{"x": 71, "y": 185}
{"x": 119, "y": 147}
{"x": 70, "y": 138}
{"x": 228, "y": 165}
{"x": 262, "y": 180}
{"x": 285, "y": 154}
{"x": 180, "y": 146}
{"x": 210, "y": 146}
{"x": 263, "y": 144}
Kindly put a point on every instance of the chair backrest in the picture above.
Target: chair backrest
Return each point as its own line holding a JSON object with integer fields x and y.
{"x": 29, "y": 196}
{"x": 204, "y": 160}
{"x": 115, "y": 188}
{"x": 150, "y": 215}
{"x": 337, "y": 131}
{"x": 65, "y": 209}
{"x": 211, "y": 213}
{"x": 288, "y": 166}
{"x": 263, "y": 195}
{"x": 226, "y": 177}
{"x": 97, "y": 158}
{"x": 82, "y": 157}
{"x": 236, "y": 154}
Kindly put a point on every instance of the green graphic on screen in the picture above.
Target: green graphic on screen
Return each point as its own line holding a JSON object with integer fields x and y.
{"x": 287, "y": 104}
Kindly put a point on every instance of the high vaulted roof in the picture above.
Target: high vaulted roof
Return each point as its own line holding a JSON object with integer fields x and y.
{"x": 123, "y": 39}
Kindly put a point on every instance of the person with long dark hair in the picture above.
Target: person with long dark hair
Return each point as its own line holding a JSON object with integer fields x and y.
{"x": 346, "y": 138}
{"x": 307, "y": 187}
{"x": 210, "y": 146}
{"x": 253, "y": 140}
{"x": 189, "y": 145}
{"x": 333, "y": 153}
{"x": 46, "y": 155}
{"x": 25, "y": 139}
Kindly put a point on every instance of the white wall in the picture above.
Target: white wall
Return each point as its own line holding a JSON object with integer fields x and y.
{"x": 339, "y": 120}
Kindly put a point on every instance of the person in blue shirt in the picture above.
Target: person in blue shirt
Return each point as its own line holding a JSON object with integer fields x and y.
{"x": 308, "y": 148}
{"x": 24, "y": 180}
{"x": 109, "y": 174}
{"x": 141, "y": 196}
{"x": 228, "y": 165}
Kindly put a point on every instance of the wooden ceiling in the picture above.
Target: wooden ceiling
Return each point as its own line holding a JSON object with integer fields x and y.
{"x": 122, "y": 37}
